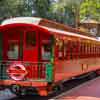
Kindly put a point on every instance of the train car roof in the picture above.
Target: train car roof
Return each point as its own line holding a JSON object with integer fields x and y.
{"x": 40, "y": 21}
{"x": 49, "y": 25}
{"x": 71, "y": 34}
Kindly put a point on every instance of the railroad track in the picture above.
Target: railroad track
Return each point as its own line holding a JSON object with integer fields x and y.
{"x": 68, "y": 86}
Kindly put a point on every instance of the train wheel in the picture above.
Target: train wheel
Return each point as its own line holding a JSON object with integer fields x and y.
{"x": 61, "y": 86}
{"x": 56, "y": 89}
{"x": 2, "y": 87}
{"x": 98, "y": 72}
{"x": 23, "y": 92}
{"x": 92, "y": 75}
{"x": 16, "y": 89}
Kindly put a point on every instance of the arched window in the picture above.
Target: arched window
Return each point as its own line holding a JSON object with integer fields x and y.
{"x": 65, "y": 50}
{"x": 30, "y": 39}
{"x": 61, "y": 49}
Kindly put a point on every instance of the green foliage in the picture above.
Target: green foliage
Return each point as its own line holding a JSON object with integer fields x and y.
{"x": 90, "y": 8}
{"x": 12, "y": 8}
{"x": 71, "y": 11}
{"x": 41, "y": 7}
{"x": 63, "y": 11}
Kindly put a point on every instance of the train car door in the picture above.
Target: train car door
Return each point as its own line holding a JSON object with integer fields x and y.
{"x": 30, "y": 53}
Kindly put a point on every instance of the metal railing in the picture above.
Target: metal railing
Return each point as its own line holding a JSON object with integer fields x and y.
{"x": 36, "y": 71}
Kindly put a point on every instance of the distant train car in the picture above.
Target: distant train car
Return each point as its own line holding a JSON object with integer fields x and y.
{"x": 37, "y": 55}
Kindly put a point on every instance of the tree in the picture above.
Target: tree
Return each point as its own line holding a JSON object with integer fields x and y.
{"x": 67, "y": 11}
{"x": 15, "y": 8}
{"x": 90, "y": 8}
{"x": 41, "y": 8}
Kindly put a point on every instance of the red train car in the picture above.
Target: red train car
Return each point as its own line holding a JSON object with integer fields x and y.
{"x": 37, "y": 54}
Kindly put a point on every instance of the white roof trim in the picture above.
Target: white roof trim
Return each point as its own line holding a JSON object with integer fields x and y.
{"x": 70, "y": 33}
{"x": 27, "y": 20}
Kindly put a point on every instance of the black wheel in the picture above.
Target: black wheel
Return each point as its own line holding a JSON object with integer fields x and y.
{"x": 55, "y": 89}
{"x": 58, "y": 88}
{"x": 17, "y": 90}
{"x": 2, "y": 88}
{"x": 92, "y": 75}
{"x": 98, "y": 72}
{"x": 61, "y": 86}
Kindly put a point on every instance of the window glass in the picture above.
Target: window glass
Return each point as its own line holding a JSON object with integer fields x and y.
{"x": 30, "y": 39}
{"x": 90, "y": 48}
{"x": 13, "y": 51}
{"x": 60, "y": 49}
{"x": 70, "y": 48}
{"x": 46, "y": 52}
{"x": 81, "y": 50}
{"x": 87, "y": 49}
{"x": 65, "y": 50}
{"x": 74, "y": 48}
{"x": 93, "y": 48}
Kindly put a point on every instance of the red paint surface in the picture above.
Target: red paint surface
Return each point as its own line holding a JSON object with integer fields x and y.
{"x": 89, "y": 91}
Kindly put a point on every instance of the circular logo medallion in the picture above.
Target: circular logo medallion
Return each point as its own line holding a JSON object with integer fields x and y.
{"x": 17, "y": 71}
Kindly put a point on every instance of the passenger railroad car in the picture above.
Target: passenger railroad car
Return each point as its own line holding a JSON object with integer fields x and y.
{"x": 37, "y": 54}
